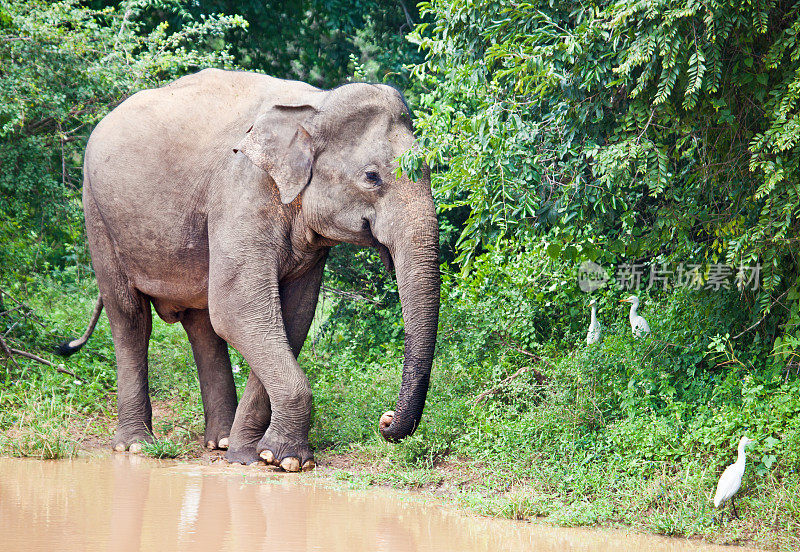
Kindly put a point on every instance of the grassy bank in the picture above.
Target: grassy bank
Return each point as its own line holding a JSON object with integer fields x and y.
{"x": 583, "y": 436}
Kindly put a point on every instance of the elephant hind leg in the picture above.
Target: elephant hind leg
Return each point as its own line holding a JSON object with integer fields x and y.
{"x": 252, "y": 420}
{"x": 216, "y": 377}
{"x": 131, "y": 324}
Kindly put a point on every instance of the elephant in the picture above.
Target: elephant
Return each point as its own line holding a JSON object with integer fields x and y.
{"x": 216, "y": 200}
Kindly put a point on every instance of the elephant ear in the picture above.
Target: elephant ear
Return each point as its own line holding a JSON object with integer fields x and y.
{"x": 279, "y": 144}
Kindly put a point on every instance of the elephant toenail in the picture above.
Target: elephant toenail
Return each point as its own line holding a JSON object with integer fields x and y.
{"x": 135, "y": 448}
{"x": 120, "y": 447}
{"x": 211, "y": 445}
{"x": 290, "y": 464}
{"x": 309, "y": 465}
{"x": 267, "y": 456}
{"x": 223, "y": 443}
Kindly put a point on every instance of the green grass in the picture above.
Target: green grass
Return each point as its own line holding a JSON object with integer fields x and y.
{"x": 32, "y": 426}
{"x": 165, "y": 448}
{"x": 40, "y": 440}
{"x": 675, "y": 503}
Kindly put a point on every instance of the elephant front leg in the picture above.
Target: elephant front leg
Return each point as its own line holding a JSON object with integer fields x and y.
{"x": 277, "y": 398}
{"x": 285, "y": 443}
{"x": 250, "y": 438}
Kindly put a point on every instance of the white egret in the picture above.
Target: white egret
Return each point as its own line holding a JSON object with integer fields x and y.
{"x": 731, "y": 479}
{"x": 639, "y": 325}
{"x": 595, "y": 331}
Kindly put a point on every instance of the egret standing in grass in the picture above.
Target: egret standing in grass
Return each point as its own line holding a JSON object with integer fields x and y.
{"x": 639, "y": 325}
{"x": 595, "y": 333}
{"x": 731, "y": 479}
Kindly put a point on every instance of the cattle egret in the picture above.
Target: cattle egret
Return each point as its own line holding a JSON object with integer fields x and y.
{"x": 639, "y": 325}
{"x": 731, "y": 479}
{"x": 595, "y": 332}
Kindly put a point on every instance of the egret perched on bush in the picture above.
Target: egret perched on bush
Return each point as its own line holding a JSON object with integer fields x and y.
{"x": 731, "y": 479}
{"x": 639, "y": 325}
{"x": 595, "y": 331}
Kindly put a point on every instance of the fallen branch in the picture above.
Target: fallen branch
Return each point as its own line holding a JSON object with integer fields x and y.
{"x": 515, "y": 375}
{"x": 58, "y": 367}
{"x": 541, "y": 379}
{"x": 10, "y": 352}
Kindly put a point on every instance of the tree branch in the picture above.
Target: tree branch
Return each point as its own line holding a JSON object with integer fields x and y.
{"x": 8, "y": 352}
{"x": 760, "y": 320}
{"x": 9, "y": 311}
{"x": 409, "y": 21}
{"x": 349, "y": 295}
{"x": 58, "y": 367}
{"x": 512, "y": 377}
{"x": 28, "y": 314}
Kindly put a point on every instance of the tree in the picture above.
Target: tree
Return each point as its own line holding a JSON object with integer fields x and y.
{"x": 62, "y": 67}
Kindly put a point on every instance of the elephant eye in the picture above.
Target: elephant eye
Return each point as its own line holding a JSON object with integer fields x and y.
{"x": 373, "y": 178}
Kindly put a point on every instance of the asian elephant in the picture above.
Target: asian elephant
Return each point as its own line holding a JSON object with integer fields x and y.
{"x": 216, "y": 199}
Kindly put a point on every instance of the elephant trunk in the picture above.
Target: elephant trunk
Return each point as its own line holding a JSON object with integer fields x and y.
{"x": 416, "y": 261}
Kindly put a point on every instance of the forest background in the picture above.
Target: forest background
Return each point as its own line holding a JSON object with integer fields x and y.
{"x": 655, "y": 139}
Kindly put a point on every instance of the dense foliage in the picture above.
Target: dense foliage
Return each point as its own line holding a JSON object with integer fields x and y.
{"x": 655, "y": 132}
{"x": 590, "y": 128}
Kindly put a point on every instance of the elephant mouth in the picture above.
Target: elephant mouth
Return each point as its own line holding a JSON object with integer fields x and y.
{"x": 386, "y": 256}
{"x": 383, "y": 251}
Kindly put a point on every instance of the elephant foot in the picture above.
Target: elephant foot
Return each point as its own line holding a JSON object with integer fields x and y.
{"x": 289, "y": 464}
{"x": 217, "y": 434}
{"x": 246, "y": 456}
{"x": 214, "y": 443}
{"x": 131, "y": 441}
{"x": 290, "y": 455}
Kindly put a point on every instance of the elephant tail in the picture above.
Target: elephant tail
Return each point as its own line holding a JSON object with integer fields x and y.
{"x": 73, "y": 346}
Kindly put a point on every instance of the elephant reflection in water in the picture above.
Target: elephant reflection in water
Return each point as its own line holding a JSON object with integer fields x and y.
{"x": 158, "y": 509}
{"x": 131, "y": 488}
{"x": 128, "y": 503}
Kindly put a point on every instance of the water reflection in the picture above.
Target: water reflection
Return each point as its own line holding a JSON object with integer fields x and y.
{"x": 125, "y": 503}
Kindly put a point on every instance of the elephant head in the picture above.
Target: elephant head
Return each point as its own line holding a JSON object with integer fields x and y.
{"x": 332, "y": 155}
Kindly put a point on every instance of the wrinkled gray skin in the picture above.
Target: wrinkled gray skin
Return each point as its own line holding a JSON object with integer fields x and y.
{"x": 216, "y": 200}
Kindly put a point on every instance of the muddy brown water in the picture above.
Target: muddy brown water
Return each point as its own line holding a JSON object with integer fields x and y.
{"x": 124, "y": 503}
